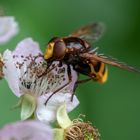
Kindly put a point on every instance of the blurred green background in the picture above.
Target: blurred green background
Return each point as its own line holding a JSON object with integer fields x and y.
{"x": 114, "y": 108}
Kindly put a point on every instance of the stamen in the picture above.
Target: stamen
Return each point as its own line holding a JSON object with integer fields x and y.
{"x": 81, "y": 131}
{"x": 35, "y": 80}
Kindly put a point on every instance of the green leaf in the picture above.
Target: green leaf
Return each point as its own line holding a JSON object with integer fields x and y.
{"x": 28, "y": 106}
{"x": 62, "y": 117}
{"x": 58, "y": 134}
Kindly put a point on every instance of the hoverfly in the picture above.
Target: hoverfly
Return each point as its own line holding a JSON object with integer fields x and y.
{"x": 75, "y": 50}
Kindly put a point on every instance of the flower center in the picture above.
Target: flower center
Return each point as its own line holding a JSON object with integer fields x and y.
{"x": 36, "y": 79}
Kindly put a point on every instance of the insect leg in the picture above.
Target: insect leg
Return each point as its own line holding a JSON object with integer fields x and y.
{"x": 76, "y": 84}
{"x": 69, "y": 80}
{"x": 48, "y": 71}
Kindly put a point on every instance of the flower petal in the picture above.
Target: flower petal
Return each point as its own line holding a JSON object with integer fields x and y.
{"x": 10, "y": 72}
{"x": 16, "y": 62}
{"x": 47, "y": 113}
{"x": 26, "y": 48}
{"x": 27, "y": 130}
{"x": 25, "y": 52}
{"x": 8, "y": 28}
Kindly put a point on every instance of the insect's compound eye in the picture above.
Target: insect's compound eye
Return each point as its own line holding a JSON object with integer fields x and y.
{"x": 59, "y": 50}
{"x": 49, "y": 51}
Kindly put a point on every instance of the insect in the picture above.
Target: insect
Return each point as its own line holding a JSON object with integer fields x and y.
{"x": 76, "y": 51}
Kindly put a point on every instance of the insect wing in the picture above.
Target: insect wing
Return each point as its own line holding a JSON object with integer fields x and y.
{"x": 90, "y": 33}
{"x": 107, "y": 60}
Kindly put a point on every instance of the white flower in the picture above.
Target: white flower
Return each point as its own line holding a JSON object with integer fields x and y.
{"x": 24, "y": 71}
{"x": 26, "y": 130}
{"x": 8, "y": 28}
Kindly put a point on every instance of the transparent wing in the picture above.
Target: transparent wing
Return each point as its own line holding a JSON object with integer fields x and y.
{"x": 107, "y": 60}
{"x": 90, "y": 33}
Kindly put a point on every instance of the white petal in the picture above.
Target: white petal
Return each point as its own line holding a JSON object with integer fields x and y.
{"x": 27, "y": 130}
{"x": 24, "y": 53}
{"x": 10, "y": 72}
{"x": 27, "y": 47}
{"x": 48, "y": 113}
{"x": 8, "y": 28}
